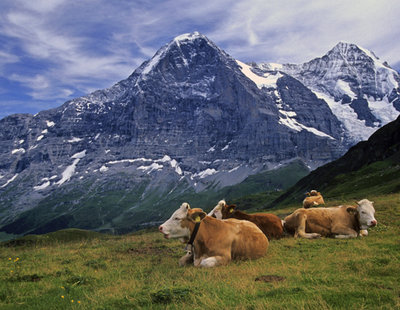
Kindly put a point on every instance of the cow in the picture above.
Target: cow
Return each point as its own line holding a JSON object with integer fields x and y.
{"x": 269, "y": 223}
{"x": 216, "y": 241}
{"x": 313, "y": 199}
{"x": 341, "y": 222}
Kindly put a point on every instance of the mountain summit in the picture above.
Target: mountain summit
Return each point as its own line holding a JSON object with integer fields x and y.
{"x": 361, "y": 90}
{"x": 191, "y": 120}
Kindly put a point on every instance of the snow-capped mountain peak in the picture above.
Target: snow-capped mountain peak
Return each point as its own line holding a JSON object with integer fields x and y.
{"x": 188, "y": 37}
{"x": 361, "y": 90}
{"x": 182, "y": 51}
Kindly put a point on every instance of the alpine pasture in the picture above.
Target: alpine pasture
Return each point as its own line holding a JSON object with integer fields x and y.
{"x": 84, "y": 270}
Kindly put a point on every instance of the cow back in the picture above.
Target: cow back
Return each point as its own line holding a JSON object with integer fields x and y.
{"x": 322, "y": 220}
{"x": 270, "y": 224}
{"x": 239, "y": 239}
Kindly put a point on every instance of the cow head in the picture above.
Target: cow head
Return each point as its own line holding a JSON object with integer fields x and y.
{"x": 222, "y": 210}
{"x": 217, "y": 211}
{"x": 227, "y": 210}
{"x": 177, "y": 226}
{"x": 366, "y": 214}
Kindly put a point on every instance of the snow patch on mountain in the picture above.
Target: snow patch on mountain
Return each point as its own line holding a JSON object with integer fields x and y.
{"x": 9, "y": 181}
{"x": 287, "y": 118}
{"x": 266, "y": 80}
{"x": 382, "y": 109}
{"x": 205, "y": 173}
{"x": 70, "y": 170}
{"x": 151, "y": 168}
{"x": 345, "y": 89}
{"x": 345, "y": 113}
{"x": 18, "y": 151}
{"x": 42, "y": 187}
{"x": 103, "y": 168}
{"x": 154, "y": 164}
{"x": 74, "y": 140}
{"x": 174, "y": 164}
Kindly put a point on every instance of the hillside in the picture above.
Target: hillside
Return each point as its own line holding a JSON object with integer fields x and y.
{"x": 371, "y": 167}
{"x": 140, "y": 271}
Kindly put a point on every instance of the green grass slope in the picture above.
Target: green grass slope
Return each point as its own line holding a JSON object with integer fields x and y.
{"x": 140, "y": 271}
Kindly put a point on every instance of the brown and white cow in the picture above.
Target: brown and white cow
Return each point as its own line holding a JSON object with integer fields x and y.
{"x": 217, "y": 241}
{"x": 314, "y": 199}
{"x": 269, "y": 223}
{"x": 340, "y": 222}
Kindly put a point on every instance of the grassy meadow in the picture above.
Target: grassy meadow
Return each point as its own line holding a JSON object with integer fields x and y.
{"x": 76, "y": 269}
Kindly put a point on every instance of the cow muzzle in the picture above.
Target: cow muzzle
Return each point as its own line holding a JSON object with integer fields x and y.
{"x": 373, "y": 223}
{"x": 160, "y": 229}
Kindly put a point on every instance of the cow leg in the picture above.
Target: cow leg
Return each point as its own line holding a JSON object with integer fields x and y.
{"x": 301, "y": 228}
{"x": 214, "y": 261}
{"x": 344, "y": 232}
{"x": 186, "y": 259}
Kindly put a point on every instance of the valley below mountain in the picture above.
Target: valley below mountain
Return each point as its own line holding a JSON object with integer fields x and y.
{"x": 191, "y": 124}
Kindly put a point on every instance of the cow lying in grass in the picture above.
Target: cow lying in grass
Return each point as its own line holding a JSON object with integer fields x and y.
{"x": 314, "y": 199}
{"x": 340, "y": 222}
{"x": 270, "y": 224}
{"x": 216, "y": 242}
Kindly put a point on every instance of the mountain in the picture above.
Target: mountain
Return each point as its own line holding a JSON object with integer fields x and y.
{"x": 370, "y": 167}
{"x": 186, "y": 125}
{"x": 362, "y": 91}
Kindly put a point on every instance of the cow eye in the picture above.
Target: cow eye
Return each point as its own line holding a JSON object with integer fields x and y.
{"x": 176, "y": 219}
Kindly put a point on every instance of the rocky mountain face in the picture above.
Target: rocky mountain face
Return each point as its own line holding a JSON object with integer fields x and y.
{"x": 190, "y": 120}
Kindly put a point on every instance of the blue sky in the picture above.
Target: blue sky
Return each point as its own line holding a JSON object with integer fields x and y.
{"x": 52, "y": 51}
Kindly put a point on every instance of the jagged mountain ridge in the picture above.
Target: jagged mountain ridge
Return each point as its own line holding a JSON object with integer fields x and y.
{"x": 189, "y": 119}
{"x": 360, "y": 89}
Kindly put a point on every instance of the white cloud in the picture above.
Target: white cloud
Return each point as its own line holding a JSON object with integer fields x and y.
{"x": 297, "y": 31}
{"x": 36, "y": 82}
{"x": 6, "y": 58}
{"x": 43, "y": 6}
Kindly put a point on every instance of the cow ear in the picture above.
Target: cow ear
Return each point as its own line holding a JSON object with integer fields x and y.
{"x": 352, "y": 210}
{"x": 185, "y": 206}
{"x": 197, "y": 216}
{"x": 231, "y": 208}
